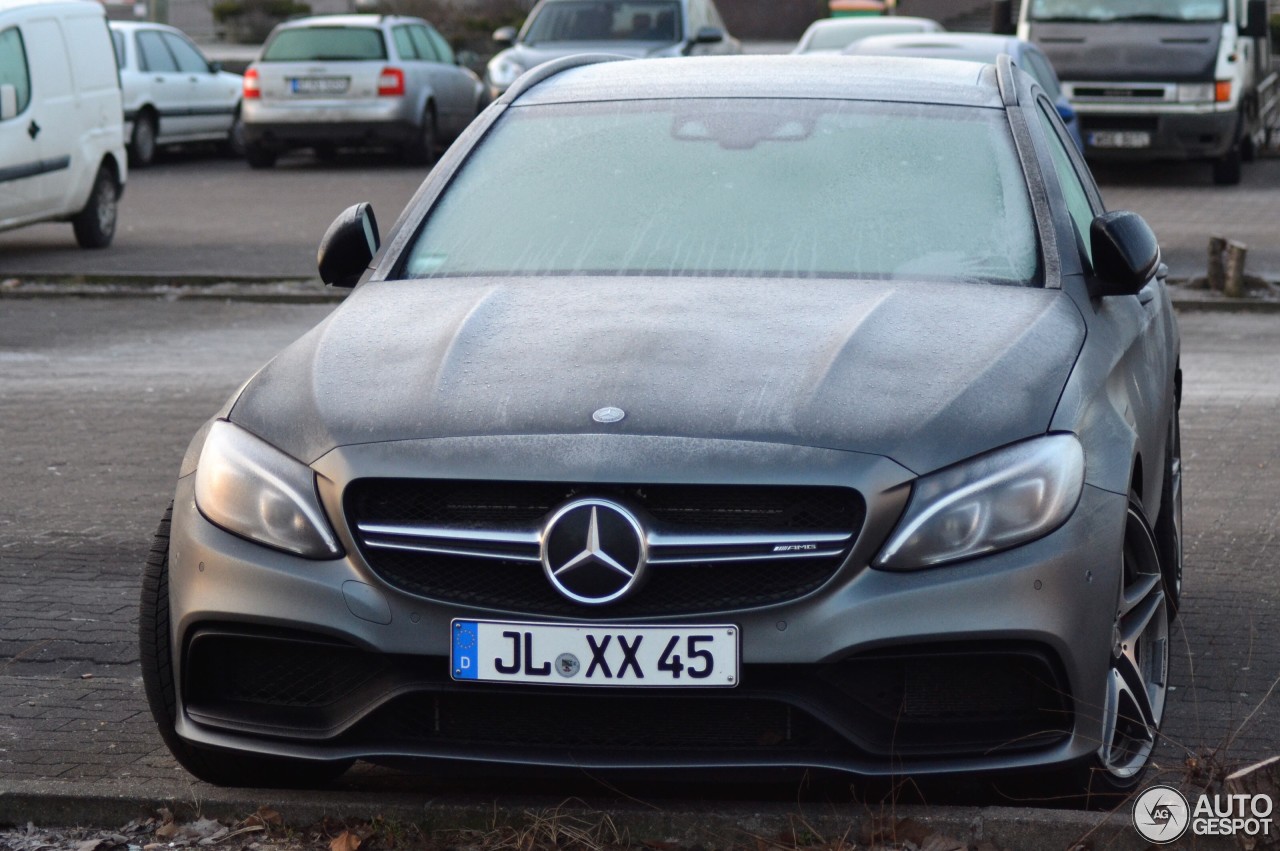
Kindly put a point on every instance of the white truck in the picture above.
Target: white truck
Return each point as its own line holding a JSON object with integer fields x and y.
{"x": 1160, "y": 79}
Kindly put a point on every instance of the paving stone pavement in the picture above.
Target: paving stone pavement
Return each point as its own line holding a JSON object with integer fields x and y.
{"x": 99, "y": 398}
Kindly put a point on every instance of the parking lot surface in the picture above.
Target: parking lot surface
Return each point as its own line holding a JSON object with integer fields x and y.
{"x": 99, "y": 399}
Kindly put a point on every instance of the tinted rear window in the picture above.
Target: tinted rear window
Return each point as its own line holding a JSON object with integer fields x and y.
{"x": 326, "y": 44}
{"x": 738, "y": 187}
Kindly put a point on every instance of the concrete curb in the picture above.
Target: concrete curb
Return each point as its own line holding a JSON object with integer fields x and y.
{"x": 312, "y": 291}
{"x": 711, "y": 826}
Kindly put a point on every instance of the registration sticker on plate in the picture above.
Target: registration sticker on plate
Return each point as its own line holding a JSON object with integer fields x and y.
{"x": 1120, "y": 139}
{"x": 595, "y": 654}
{"x": 319, "y": 85}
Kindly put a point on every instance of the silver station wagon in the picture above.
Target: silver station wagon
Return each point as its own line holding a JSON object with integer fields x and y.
{"x": 356, "y": 80}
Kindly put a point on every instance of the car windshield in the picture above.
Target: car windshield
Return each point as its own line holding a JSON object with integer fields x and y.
{"x": 843, "y": 33}
{"x": 1176, "y": 11}
{"x": 737, "y": 187}
{"x": 320, "y": 44}
{"x": 605, "y": 20}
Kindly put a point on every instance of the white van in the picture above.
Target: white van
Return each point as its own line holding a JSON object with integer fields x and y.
{"x": 61, "y": 119}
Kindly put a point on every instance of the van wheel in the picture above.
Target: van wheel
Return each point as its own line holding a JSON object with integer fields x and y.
{"x": 1227, "y": 169}
{"x": 224, "y": 768}
{"x": 95, "y": 225}
{"x": 259, "y": 157}
{"x": 142, "y": 144}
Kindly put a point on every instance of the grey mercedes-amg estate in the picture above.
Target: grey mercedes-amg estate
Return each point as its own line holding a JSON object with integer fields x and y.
{"x": 725, "y": 414}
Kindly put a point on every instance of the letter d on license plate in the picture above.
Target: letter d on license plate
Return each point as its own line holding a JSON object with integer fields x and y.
{"x": 595, "y": 654}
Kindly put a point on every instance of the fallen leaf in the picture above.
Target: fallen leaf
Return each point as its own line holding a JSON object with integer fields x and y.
{"x": 166, "y": 831}
{"x": 89, "y": 845}
{"x": 345, "y": 841}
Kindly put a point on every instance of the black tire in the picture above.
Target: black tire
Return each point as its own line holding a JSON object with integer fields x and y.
{"x": 1228, "y": 169}
{"x": 422, "y": 150}
{"x": 259, "y": 157}
{"x": 142, "y": 143}
{"x": 234, "y": 146}
{"x": 223, "y": 768}
{"x": 1168, "y": 528}
{"x": 95, "y": 225}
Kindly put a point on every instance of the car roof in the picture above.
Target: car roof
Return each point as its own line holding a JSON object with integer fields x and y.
{"x": 370, "y": 20}
{"x": 972, "y": 47}
{"x": 140, "y": 25}
{"x": 870, "y": 23}
{"x": 758, "y": 76}
{"x": 81, "y": 5}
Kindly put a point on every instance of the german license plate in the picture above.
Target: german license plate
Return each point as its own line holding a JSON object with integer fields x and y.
{"x": 319, "y": 85}
{"x": 1120, "y": 139}
{"x": 595, "y": 654}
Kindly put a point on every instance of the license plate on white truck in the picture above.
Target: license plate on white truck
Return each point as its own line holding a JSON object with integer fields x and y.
{"x": 595, "y": 654}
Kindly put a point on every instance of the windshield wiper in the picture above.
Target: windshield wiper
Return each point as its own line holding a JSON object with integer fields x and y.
{"x": 1172, "y": 19}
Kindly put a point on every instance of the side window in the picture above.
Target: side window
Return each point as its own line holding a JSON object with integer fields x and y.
{"x": 404, "y": 43}
{"x": 153, "y": 55}
{"x": 117, "y": 41}
{"x": 13, "y": 66}
{"x": 190, "y": 59}
{"x": 1073, "y": 188}
{"x": 443, "y": 49}
{"x": 426, "y": 50}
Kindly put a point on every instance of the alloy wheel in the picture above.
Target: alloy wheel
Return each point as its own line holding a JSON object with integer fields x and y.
{"x": 1137, "y": 683}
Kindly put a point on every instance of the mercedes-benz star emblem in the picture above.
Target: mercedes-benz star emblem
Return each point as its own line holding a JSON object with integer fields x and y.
{"x": 593, "y": 551}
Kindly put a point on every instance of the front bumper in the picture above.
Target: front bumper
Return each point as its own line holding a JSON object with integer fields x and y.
{"x": 1174, "y": 135}
{"x": 828, "y": 681}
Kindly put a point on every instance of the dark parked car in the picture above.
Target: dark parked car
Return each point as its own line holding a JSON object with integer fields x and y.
{"x": 812, "y": 412}
{"x": 978, "y": 47}
{"x": 637, "y": 28}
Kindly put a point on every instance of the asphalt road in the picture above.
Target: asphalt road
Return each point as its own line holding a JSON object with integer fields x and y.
{"x": 98, "y": 399}
{"x": 195, "y": 214}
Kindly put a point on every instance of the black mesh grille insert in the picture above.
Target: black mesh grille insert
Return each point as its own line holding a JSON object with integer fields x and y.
{"x": 692, "y": 588}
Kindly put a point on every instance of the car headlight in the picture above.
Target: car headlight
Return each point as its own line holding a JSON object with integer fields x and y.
{"x": 251, "y": 489}
{"x": 1195, "y": 93}
{"x": 988, "y": 503}
{"x": 502, "y": 70}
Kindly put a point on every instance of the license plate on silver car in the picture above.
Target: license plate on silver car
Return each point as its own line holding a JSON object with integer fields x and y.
{"x": 595, "y": 654}
{"x": 1120, "y": 139}
{"x": 319, "y": 85}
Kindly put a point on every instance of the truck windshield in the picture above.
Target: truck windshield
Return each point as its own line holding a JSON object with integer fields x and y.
{"x": 1174, "y": 11}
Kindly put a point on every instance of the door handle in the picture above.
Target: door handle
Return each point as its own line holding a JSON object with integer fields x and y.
{"x": 33, "y": 129}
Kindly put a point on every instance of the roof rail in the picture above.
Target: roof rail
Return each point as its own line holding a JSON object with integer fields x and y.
{"x": 547, "y": 70}
{"x": 1005, "y": 79}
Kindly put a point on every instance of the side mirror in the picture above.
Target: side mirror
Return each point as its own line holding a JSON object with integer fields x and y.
{"x": 348, "y": 246}
{"x": 1065, "y": 110}
{"x": 505, "y": 35}
{"x": 1002, "y": 18}
{"x": 215, "y": 67}
{"x": 1257, "y": 26}
{"x": 1126, "y": 253}
{"x": 708, "y": 35}
{"x": 8, "y": 101}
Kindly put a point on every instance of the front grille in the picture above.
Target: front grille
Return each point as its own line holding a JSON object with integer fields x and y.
{"x": 926, "y": 701}
{"x": 713, "y": 548}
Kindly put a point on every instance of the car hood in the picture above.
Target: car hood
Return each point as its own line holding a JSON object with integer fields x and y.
{"x": 1130, "y": 52}
{"x": 924, "y": 373}
{"x": 529, "y": 55}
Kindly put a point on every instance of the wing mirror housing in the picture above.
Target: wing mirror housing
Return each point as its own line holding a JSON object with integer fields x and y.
{"x": 8, "y": 101}
{"x": 708, "y": 35}
{"x": 505, "y": 35}
{"x": 1258, "y": 24}
{"x": 1126, "y": 253}
{"x": 348, "y": 246}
